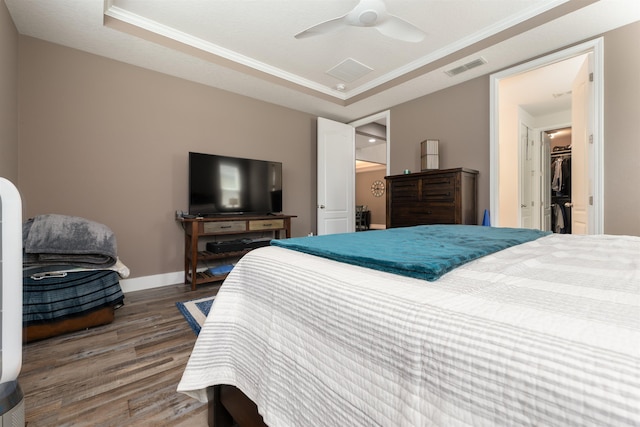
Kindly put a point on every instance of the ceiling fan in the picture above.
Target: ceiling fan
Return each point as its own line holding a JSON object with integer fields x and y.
{"x": 369, "y": 13}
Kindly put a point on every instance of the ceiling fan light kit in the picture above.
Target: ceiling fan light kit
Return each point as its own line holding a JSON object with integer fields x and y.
{"x": 369, "y": 13}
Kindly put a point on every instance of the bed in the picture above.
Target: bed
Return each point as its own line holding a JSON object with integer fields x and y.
{"x": 541, "y": 332}
{"x": 71, "y": 275}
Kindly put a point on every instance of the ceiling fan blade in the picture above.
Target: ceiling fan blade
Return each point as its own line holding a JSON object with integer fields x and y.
{"x": 322, "y": 28}
{"x": 399, "y": 29}
{"x": 369, "y": 13}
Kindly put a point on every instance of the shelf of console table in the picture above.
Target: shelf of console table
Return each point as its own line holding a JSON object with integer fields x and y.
{"x": 230, "y": 226}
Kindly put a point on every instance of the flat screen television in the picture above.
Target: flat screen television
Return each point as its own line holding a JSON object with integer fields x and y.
{"x": 222, "y": 185}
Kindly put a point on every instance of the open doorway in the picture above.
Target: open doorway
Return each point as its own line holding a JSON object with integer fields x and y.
{"x": 336, "y": 200}
{"x": 559, "y": 142}
{"x": 520, "y": 162}
{"x": 371, "y": 153}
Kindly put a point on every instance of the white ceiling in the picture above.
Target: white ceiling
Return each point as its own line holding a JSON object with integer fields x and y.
{"x": 545, "y": 90}
{"x": 248, "y": 46}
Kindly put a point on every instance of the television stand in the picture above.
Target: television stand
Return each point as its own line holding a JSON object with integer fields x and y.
{"x": 226, "y": 226}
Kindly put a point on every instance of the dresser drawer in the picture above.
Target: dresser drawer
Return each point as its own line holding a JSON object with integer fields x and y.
{"x": 424, "y": 214}
{"x": 439, "y": 188}
{"x": 404, "y": 191}
{"x": 272, "y": 224}
{"x": 223, "y": 227}
{"x": 436, "y": 215}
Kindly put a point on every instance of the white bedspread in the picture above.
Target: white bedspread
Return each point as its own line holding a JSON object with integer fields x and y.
{"x": 544, "y": 333}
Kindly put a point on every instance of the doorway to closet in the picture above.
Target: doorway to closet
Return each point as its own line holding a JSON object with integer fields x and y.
{"x": 522, "y": 121}
{"x": 557, "y": 144}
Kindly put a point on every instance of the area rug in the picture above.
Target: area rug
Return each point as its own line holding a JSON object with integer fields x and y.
{"x": 195, "y": 311}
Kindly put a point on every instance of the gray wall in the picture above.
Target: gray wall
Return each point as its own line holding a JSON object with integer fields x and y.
{"x": 622, "y": 131}
{"x": 109, "y": 142}
{"x": 8, "y": 96}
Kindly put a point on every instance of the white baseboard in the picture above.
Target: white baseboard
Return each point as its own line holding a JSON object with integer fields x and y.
{"x": 149, "y": 282}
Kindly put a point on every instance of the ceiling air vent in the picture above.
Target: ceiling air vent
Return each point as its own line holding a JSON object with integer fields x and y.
{"x": 466, "y": 67}
{"x": 349, "y": 70}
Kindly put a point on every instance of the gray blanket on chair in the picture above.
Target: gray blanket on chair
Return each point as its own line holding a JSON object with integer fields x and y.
{"x": 60, "y": 239}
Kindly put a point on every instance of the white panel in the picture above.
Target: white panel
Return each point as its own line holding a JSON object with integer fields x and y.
{"x": 545, "y": 166}
{"x": 581, "y": 184}
{"x": 336, "y": 177}
{"x": 335, "y": 226}
{"x": 338, "y": 173}
{"x": 11, "y": 281}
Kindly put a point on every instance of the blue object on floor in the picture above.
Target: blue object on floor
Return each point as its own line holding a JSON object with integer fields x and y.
{"x": 486, "y": 221}
{"x": 221, "y": 269}
{"x": 196, "y": 311}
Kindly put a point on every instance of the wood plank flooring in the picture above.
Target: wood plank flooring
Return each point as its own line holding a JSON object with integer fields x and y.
{"x": 122, "y": 374}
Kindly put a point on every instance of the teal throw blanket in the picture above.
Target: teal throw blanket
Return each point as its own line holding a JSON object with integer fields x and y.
{"x": 424, "y": 251}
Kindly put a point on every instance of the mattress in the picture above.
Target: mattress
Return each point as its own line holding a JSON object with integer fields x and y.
{"x": 52, "y": 296}
{"x": 542, "y": 333}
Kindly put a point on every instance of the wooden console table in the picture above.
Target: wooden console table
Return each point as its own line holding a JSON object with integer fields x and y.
{"x": 238, "y": 225}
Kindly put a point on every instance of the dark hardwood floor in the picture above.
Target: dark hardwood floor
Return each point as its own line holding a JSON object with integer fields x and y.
{"x": 122, "y": 374}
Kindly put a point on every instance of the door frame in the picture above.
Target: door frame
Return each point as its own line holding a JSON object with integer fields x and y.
{"x": 596, "y": 46}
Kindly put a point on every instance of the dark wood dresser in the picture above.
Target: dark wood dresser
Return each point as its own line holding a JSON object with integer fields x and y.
{"x": 447, "y": 196}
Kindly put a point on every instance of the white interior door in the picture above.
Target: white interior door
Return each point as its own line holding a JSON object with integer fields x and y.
{"x": 581, "y": 181}
{"x": 336, "y": 177}
{"x": 527, "y": 171}
{"x": 545, "y": 185}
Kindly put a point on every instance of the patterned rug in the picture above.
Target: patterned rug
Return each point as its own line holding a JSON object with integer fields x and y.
{"x": 195, "y": 311}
